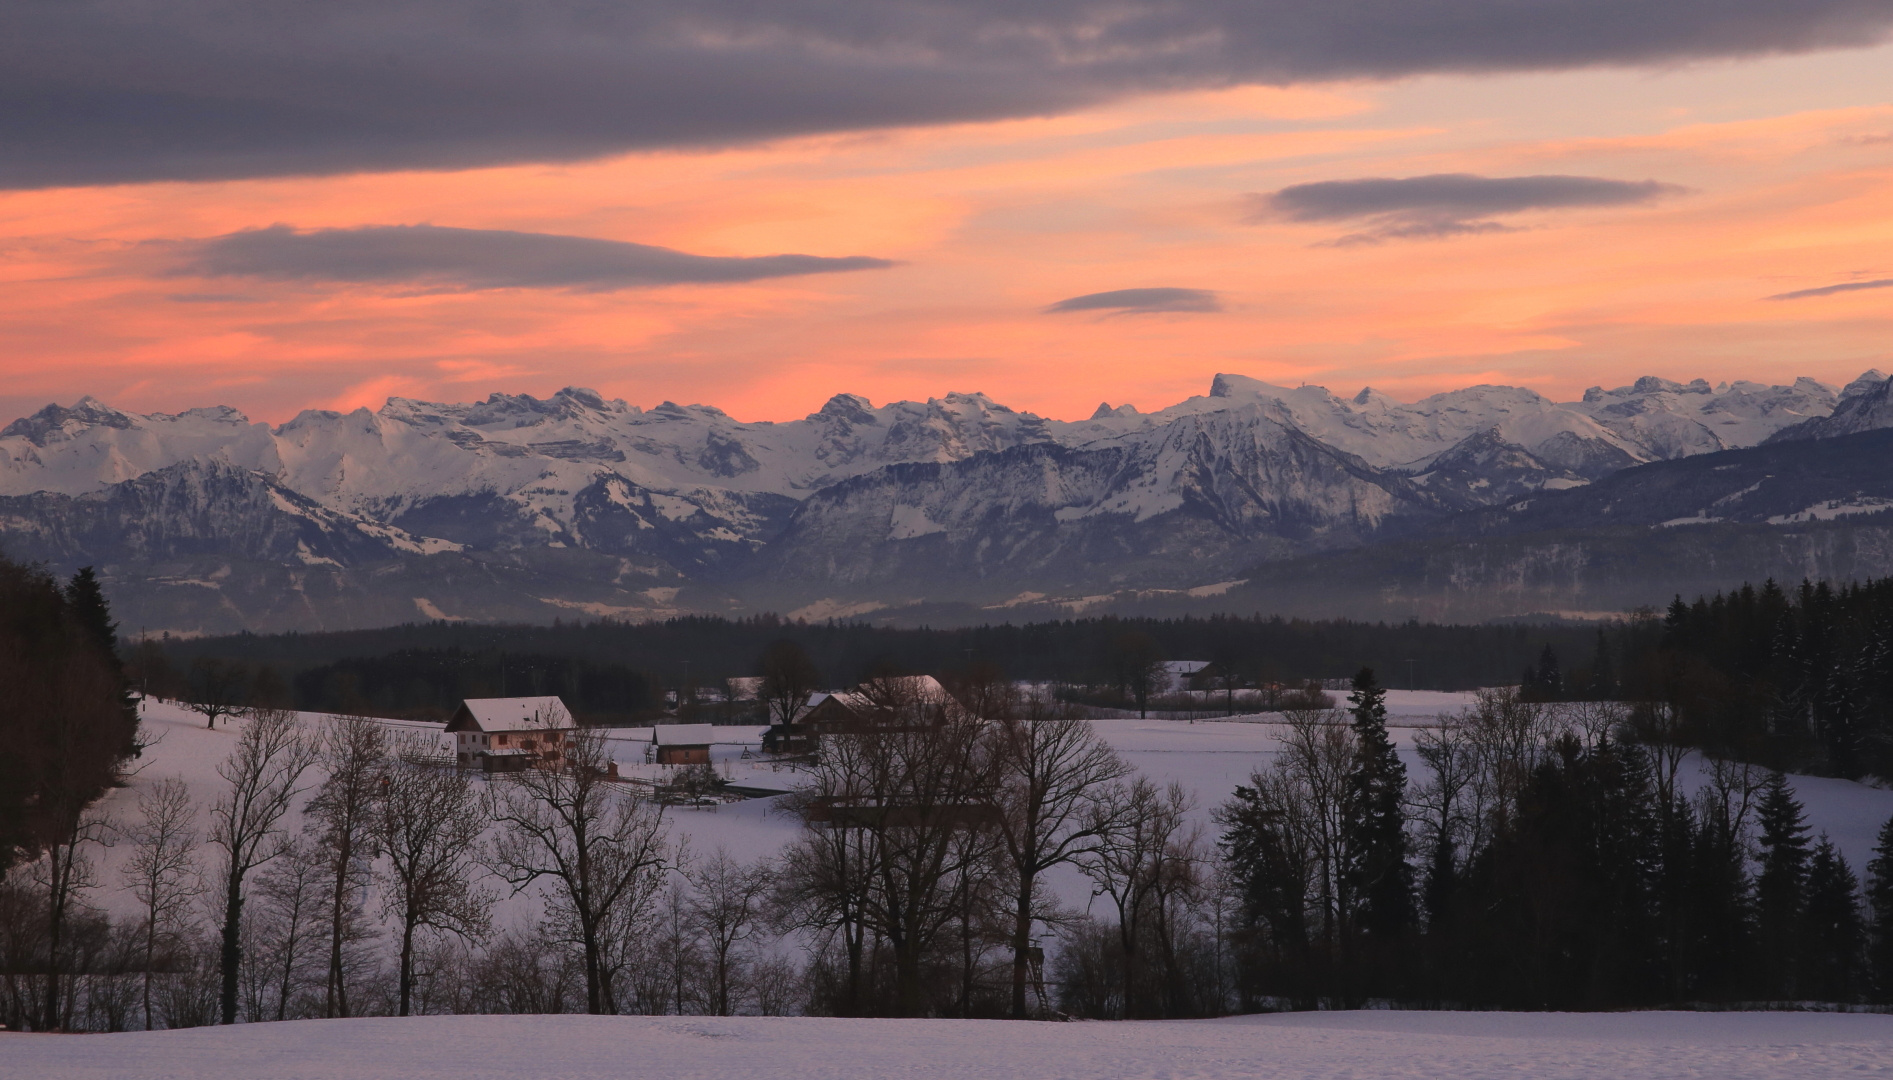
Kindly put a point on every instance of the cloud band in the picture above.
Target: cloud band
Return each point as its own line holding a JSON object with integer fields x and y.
{"x": 110, "y": 91}
{"x": 451, "y": 259}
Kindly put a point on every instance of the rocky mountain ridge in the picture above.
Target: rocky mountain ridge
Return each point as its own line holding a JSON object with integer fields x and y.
{"x": 684, "y": 508}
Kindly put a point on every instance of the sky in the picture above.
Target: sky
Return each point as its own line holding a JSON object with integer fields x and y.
{"x": 278, "y": 206}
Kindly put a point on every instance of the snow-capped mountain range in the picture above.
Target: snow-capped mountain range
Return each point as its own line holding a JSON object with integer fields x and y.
{"x": 579, "y": 503}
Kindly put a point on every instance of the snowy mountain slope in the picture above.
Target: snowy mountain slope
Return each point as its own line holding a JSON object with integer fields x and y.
{"x": 1866, "y": 405}
{"x": 1672, "y": 420}
{"x": 1162, "y": 506}
{"x": 678, "y": 496}
{"x": 201, "y": 507}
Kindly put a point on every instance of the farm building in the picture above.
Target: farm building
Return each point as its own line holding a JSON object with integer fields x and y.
{"x": 510, "y": 734}
{"x": 682, "y": 744}
{"x": 904, "y": 702}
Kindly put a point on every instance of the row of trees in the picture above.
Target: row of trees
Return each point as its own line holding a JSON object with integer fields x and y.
{"x": 1800, "y": 680}
{"x": 375, "y": 904}
{"x": 1556, "y": 864}
{"x": 579, "y": 659}
{"x": 1551, "y": 854}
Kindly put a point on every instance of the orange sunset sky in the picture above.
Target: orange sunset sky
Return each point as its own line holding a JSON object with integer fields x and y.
{"x": 1780, "y": 174}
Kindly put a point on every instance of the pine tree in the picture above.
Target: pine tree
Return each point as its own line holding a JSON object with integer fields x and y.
{"x": 1720, "y": 931}
{"x": 1550, "y": 677}
{"x": 86, "y": 601}
{"x": 1603, "y": 671}
{"x": 1832, "y": 938}
{"x": 1781, "y": 888}
{"x": 1880, "y": 905}
{"x": 1377, "y": 840}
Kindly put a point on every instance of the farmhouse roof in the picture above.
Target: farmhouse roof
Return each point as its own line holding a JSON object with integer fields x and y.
{"x": 683, "y": 734}
{"x": 511, "y": 714}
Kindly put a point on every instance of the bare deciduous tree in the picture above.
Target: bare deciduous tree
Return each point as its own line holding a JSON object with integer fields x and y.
{"x": 1051, "y": 769}
{"x": 215, "y": 688}
{"x": 64, "y": 873}
{"x": 290, "y": 891}
{"x": 725, "y": 908}
{"x": 914, "y": 782}
{"x": 1148, "y": 855}
{"x": 788, "y": 678}
{"x": 263, "y": 772}
{"x": 827, "y": 872}
{"x": 428, "y": 824}
{"x": 353, "y": 751}
{"x": 162, "y": 873}
{"x": 600, "y": 849}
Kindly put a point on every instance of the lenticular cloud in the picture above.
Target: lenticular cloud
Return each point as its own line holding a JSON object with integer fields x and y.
{"x": 1140, "y": 301}
{"x": 437, "y": 257}
{"x": 1445, "y": 204}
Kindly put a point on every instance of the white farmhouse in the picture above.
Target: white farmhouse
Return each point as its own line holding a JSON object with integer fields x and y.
{"x": 510, "y": 734}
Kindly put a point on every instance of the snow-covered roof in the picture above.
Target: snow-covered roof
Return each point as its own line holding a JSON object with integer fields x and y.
{"x": 511, "y": 714}
{"x": 683, "y": 734}
{"x": 895, "y": 692}
{"x": 1183, "y": 669}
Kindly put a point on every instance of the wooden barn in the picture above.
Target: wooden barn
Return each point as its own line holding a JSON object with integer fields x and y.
{"x": 682, "y": 744}
{"x": 511, "y": 734}
{"x": 904, "y": 702}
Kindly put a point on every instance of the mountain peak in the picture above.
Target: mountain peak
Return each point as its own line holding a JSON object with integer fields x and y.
{"x": 88, "y": 411}
{"x": 1869, "y": 380}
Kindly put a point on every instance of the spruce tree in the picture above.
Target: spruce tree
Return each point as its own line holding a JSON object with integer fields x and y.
{"x": 1832, "y": 938}
{"x": 1880, "y": 906}
{"x": 1603, "y": 671}
{"x": 1376, "y": 825}
{"x": 1550, "y": 677}
{"x": 86, "y": 601}
{"x": 1781, "y": 887}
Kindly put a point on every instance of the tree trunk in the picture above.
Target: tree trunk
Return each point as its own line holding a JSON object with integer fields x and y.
{"x": 1021, "y": 940}
{"x": 56, "y": 923}
{"x": 407, "y": 964}
{"x": 594, "y": 1003}
{"x": 151, "y": 948}
{"x": 907, "y": 979}
{"x": 853, "y": 933}
{"x": 231, "y": 956}
{"x": 336, "y": 998}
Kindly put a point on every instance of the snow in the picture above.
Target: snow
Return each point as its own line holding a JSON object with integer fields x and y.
{"x": 908, "y": 522}
{"x": 1304, "y": 1046}
{"x": 830, "y": 608}
{"x": 1828, "y": 511}
{"x": 1208, "y": 758}
{"x": 695, "y": 460}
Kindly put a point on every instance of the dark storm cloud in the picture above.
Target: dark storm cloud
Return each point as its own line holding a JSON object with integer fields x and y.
{"x": 105, "y": 91}
{"x": 433, "y": 257}
{"x": 1140, "y": 301}
{"x": 1829, "y": 290}
{"x": 1445, "y": 204}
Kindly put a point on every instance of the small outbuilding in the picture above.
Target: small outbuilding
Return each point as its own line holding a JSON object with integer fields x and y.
{"x": 511, "y": 734}
{"x": 682, "y": 744}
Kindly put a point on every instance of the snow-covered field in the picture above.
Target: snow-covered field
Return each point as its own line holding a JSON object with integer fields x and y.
{"x": 1445, "y": 1046}
{"x": 1209, "y": 758}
